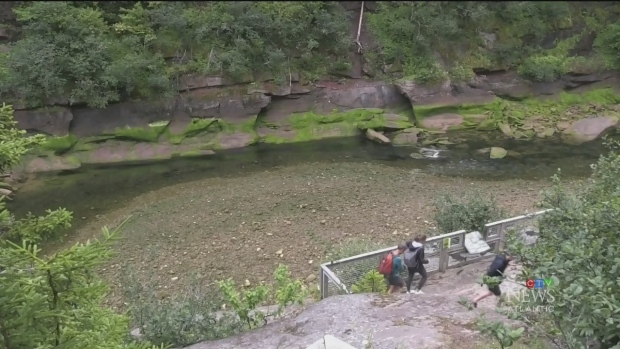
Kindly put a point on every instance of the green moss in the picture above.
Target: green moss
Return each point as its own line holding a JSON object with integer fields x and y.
{"x": 138, "y": 134}
{"x": 212, "y": 125}
{"x": 246, "y": 126}
{"x": 303, "y": 120}
{"x": 60, "y": 145}
{"x": 515, "y": 113}
{"x": 193, "y": 154}
{"x": 312, "y": 126}
{"x": 73, "y": 160}
{"x": 198, "y": 126}
{"x": 273, "y": 139}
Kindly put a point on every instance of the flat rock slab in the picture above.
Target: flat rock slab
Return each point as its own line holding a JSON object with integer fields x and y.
{"x": 330, "y": 342}
{"x": 429, "y": 320}
{"x": 442, "y": 121}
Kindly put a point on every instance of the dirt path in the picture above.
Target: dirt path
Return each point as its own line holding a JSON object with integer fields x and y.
{"x": 236, "y": 227}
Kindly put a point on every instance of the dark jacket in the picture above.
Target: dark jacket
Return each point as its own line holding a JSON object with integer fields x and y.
{"x": 498, "y": 266}
{"x": 414, "y": 246}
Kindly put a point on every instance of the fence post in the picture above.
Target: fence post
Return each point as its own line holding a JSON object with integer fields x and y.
{"x": 322, "y": 283}
{"x": 502, "y": 235}
{"x": 485, "y": 233}
{"x": 443, "y": 256}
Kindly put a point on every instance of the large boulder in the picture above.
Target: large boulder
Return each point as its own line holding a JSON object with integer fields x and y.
{"x": 586, "y": 130}
{"x": 53, "y": 121}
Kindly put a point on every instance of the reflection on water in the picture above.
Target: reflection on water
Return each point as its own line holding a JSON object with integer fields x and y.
{"x": 92, "y": 190}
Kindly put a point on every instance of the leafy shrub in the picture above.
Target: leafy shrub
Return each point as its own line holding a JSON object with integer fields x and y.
{"x": 245, "y": 302}
{"x": 543, "y": 68}
{"x": 371, "y": 282}
{"x": 608, "y": 45}
{"x": 288, "y": 291}
{"x": 71, "y": 51}
{"x": 186, "y": 318}
{"x": 470, "y": 211}
{"x": 414, "y": 33}
{"x": 578, "y": 246}
{"x": 80, "y": 52}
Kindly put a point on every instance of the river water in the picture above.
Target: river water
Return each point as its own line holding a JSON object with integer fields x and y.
{"x": 94, "y": 190}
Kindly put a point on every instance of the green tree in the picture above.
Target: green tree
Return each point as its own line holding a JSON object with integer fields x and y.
{"x": 608, "y": 44}
{"x": 50, "y": 302}
{"x": 70, "y": 53}
{"x": 579, "y": 247}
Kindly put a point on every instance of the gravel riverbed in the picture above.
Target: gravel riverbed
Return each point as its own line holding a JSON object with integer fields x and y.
{"x": 243, "y": 227}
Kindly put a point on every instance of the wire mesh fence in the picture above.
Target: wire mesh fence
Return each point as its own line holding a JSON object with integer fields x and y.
{"x": 443, "y": 252}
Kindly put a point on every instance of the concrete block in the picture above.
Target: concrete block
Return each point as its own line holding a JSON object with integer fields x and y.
{"x": 475, "y": 244}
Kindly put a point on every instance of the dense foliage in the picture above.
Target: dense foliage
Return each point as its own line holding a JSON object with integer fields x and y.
{"x": 50, "y": 302}
{"x": 194, "y": 314}
{"x": 440, "y": 39}
{"x": 470, "y": 211}
{"x": 80, "y": 52}
{"x": 579, "y": 246}
{"x": 578, "y": 252}
{"x": 100, "y": 52}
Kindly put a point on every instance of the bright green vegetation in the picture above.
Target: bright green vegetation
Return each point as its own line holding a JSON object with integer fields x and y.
{"x": 312, "y": 126}
{"x": 39, "y": 294}
{"x": 99, "y": 53}
{"x": 564, "y": 106}
{"x": 139, "y": 134}
{"x": 60, "y": 145}
{"x": 492, "y": 35}
{"x": 577, "y": 249}
{"x": 211, "y": 126}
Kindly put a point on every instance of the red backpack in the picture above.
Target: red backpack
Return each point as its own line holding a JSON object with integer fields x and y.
{"x": 385, "y": 267}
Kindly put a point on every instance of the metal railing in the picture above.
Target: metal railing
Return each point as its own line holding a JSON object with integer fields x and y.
{"x": 444, "y": 252}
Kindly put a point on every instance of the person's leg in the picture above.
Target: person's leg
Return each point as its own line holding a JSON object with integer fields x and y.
{"x": 422, "y": 272}
{"x": 411, "y": 271}
{"x": 400, "y": 285}
{"x": 498, "y": 293}
{"x": 493, "y": 290}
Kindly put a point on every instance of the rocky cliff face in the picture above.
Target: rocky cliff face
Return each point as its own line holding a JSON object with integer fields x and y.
{"x": 212, "y": 113}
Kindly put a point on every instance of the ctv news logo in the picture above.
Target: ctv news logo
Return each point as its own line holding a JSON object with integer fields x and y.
{"x": 539, "y": 283}
{"x": 536, "y": 297}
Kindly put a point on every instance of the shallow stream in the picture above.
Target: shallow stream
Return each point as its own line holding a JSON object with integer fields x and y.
{"x": 90, "y": 191}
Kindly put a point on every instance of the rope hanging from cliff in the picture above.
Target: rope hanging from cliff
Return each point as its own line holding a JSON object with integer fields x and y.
{"x": 359, "y": 31}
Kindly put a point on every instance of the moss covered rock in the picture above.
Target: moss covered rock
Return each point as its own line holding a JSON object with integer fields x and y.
{"x": 497, "y": 153}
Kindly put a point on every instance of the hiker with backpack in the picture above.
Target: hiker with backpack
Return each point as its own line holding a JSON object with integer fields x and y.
{"x": 414, "y": 260}
{"x": 496, "y": 270}
{"x": 391, "y": 266}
